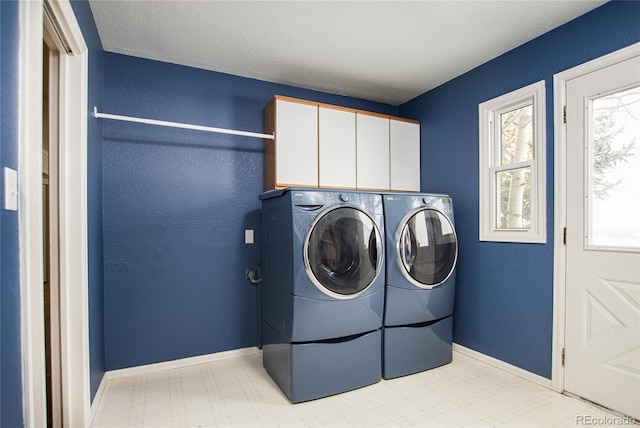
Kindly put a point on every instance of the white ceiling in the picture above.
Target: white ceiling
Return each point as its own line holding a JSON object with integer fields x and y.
{"x": 386, "y": 51}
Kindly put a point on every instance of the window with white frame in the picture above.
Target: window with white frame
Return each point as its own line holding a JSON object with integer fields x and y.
{"x": 512, "y": 166}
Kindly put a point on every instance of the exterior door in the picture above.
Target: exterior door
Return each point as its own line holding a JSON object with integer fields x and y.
{"x": 343, "y": 253}
{"x": 428, "y": 248}
{"x": 602, "y": 336}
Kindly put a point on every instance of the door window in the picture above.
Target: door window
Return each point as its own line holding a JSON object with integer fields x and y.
{"x": 614, "y": 171}
{"x": 343, "y": 252}
{"x": 428, "y": 248}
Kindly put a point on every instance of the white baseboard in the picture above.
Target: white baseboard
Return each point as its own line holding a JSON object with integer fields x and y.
{"x": 166, "y": 365}
{"x": 183, "y": 362}
{"x": 540, "y": 380}
{"x": 97, "y": 398}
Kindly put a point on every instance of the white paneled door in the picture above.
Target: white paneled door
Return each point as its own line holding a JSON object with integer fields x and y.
{"x": 602, "y": 336}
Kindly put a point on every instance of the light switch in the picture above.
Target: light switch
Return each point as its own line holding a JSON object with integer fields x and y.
{"x": 10, "y": 189}
{"x": 248, "y": 236}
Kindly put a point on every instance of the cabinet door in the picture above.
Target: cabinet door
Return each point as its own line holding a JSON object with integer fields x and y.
{"x": 404, "y": 151}
{"x": 296, "y": 144}
{"x": 372, "y": 136}
{"x": 337, "y": 147}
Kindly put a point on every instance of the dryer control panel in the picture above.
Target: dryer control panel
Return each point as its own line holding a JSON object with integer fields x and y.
{"x": 441, "y": 203}
{"x": 368, "y": 202}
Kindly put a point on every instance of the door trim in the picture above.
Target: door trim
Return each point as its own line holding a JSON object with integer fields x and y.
{"x": 30, "y": 214}
{"x": 560, "y": 199}
{"x": 73, "y": 217}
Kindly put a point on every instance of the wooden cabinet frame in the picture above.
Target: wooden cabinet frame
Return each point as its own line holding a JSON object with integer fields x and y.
{"x": 271, "y": 146}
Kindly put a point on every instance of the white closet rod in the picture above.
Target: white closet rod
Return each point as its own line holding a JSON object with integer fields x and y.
{"x": 180, "y": 125}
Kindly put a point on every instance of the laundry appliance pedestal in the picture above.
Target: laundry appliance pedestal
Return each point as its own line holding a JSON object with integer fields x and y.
{"x": 412, "y": 349}
{"x": 307, "y": 371}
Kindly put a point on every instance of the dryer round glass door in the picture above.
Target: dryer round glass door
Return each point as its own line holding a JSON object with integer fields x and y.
{"x": 343, "y": 252}
{"x": 427, "y": 248}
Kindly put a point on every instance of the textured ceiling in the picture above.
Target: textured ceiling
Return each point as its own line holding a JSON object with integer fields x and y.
{"x": 386, "y": 51}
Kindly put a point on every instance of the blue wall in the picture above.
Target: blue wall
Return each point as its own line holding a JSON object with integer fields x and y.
{"x": 94, "y": 194}
{"x": 176, "y": 204}
{"x": 504, "y": 300}
{"x": 10, "y": 345}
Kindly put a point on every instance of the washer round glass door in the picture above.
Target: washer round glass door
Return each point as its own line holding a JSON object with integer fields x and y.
{"x": 427, "y": 248}
{"x": 343, "y": 252}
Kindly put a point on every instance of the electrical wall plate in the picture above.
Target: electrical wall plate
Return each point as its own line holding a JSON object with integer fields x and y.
{"x": 10, "y": 189}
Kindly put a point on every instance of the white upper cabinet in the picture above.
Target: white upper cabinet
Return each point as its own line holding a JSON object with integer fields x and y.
{"x": 372, "y": 136}
{"x": 292, "y": 158}
{"x": 337, "y": 147}
{"x": 321, "y": 145}
{"x": 404, "y": 146}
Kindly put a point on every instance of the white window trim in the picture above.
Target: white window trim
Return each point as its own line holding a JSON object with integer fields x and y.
{"x": 488, "y": 166}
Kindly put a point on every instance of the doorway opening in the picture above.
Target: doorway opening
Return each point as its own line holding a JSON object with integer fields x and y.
{"x": 58, "y": 18}
{"x": 50, "y": 244}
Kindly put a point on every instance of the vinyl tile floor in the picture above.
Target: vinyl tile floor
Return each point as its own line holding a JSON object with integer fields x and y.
{"x": 239, "y": 392}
